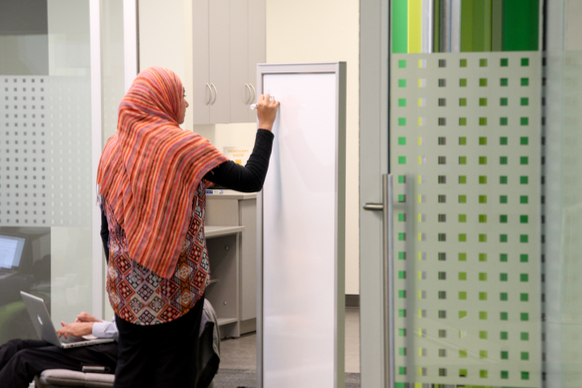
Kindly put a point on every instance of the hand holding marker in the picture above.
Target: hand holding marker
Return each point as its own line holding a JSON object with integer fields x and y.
{"x": 254, "y": 106}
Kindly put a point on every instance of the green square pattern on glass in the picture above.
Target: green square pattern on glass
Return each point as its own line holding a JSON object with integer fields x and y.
{"x": 507, "y": 217}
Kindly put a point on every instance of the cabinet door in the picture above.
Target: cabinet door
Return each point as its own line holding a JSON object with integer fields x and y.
{"x": 200, "y": 97}
{"x": 241, "y": 92}
{"x": 218, "y": 54}
{"x": 257, "y": 47}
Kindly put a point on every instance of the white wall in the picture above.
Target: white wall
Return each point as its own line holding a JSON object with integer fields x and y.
{"x": 326, "y": 31}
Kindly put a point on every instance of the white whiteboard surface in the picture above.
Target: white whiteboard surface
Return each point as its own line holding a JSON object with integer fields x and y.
{"x": 302, "y": 319}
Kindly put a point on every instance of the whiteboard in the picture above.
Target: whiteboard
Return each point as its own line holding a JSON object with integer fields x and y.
{"x": 302, "y": 301}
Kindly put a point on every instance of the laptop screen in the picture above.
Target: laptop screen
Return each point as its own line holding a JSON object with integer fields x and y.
{"x": 10, "y": 251}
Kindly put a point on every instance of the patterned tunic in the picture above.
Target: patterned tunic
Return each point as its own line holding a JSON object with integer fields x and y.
{"x": 142, "y": 297}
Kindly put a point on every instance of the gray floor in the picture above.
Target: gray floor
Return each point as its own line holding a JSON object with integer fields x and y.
{"x": 241, "y": 353}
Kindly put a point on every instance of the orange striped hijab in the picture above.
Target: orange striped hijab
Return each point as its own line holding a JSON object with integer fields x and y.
{"x": 150, "y": 169}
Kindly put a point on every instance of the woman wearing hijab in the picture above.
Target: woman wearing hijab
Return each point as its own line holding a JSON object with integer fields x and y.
{"x": 152, "y": 180}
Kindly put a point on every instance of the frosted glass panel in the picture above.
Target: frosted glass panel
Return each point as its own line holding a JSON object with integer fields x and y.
{"x": 46, "y": 168}
{"x": 46, "y": 194}
{"x": 563, "y": 266}
{"x": 465, "y": 154}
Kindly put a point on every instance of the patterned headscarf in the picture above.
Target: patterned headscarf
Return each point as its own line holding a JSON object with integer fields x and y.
{"x": 150, "y": 169}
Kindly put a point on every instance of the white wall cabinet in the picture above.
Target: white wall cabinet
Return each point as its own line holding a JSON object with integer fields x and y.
{"x": 231, "y": 238}
{"x": 228, "y": 42}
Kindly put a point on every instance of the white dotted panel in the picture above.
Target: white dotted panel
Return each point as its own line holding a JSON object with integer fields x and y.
{"x": 45, "y": 151}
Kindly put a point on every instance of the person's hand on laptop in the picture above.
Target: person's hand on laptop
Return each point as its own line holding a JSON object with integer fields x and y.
{"x": 76, "y": 330}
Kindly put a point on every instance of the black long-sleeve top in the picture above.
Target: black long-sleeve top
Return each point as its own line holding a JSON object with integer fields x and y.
{"x": 228, "y": 174}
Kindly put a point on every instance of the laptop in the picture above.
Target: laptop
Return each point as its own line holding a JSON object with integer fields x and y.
{"x": 45, "y": 329}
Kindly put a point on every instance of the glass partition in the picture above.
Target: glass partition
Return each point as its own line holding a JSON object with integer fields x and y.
{"x": 465, "y": 146}
{"x": 563, "y": 140}
{"x": 45, "y": 160}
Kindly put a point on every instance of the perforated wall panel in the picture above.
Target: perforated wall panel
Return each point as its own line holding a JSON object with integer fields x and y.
{"x": 45, "y": 151}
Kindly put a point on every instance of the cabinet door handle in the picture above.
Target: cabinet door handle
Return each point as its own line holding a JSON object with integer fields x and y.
{"x": 215, "y": 94}
{"x": 249, "y": 96}
{"x": 254, "y": 97}
{"x": 209, "y": 94}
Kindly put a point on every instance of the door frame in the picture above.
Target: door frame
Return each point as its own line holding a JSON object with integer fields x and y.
{"x": 374, "y": 157}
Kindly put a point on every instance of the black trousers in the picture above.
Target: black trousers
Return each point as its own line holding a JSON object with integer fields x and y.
{"x": 162, "y": 355}
{"x": 21, "y": 360}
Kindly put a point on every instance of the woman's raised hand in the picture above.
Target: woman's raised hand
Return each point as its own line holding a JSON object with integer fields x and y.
{"x": 267, "y": 111}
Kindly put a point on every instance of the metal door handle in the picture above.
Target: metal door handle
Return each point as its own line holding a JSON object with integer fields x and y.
{"x": 254, "y": 97}
{"x": 249, "y": 96}
{"x": 388, "y": 273}
{"x": 208, "y": 95}
{"x": 215, "y": 94}
{"x": 374, "y": 206}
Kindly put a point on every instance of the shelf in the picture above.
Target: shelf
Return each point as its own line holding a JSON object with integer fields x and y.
{"x": 226, "y": 321}
{"x": 230, "y": 194}
{"x": 218, "y": 231}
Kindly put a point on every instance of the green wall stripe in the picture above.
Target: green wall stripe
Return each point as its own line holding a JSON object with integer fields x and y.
{"x": 467, "y": 28}
{"x": 399, "y": 26}
{"x": 482, "y": 25}
{"x": 437, "y": 26}
{"x": 496, "y": 24}
{"x": 520, "y": 25}
{"x": 486, "y": 25}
